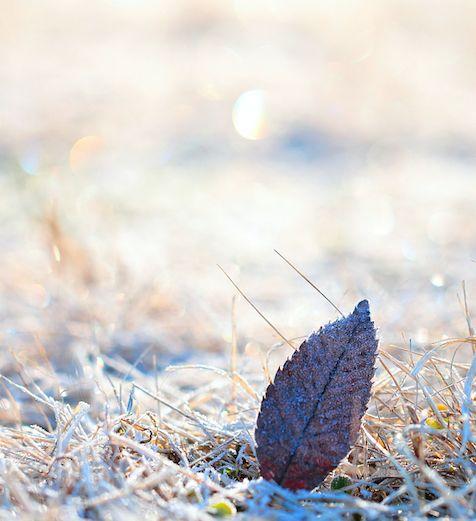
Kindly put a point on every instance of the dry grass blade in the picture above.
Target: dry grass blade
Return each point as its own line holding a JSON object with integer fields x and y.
{"x": 256, "y": 309}
{"x": 310, "y": 282}
{"x": 415, "y": 455}
{"x": 418, "y": 460}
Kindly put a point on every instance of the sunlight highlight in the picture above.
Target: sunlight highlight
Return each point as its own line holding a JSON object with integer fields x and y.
{"x": 249, "y": 115}
{"x": 84, "y": 151}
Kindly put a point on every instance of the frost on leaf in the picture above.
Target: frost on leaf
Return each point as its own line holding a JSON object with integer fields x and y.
{"x": 310, "y": 415}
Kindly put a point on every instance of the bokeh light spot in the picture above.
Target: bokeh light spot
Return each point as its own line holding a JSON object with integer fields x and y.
{"x": 437, "y": 280}
{"x": 250, "y": 115}
{"x": 84, "y": 151}
{"x": 30, "y": 161}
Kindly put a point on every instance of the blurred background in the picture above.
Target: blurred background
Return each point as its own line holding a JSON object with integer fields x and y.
{"x": 143, "y": 143}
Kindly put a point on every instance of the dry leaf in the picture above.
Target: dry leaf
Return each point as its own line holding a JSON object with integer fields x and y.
{"x": 310, "y": 416}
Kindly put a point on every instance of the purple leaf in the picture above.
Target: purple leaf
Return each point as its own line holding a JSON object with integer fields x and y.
{"x": 310, "y": 416}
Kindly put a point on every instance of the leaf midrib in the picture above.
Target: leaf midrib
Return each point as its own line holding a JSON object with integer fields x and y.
{"x": 314, "y": 411}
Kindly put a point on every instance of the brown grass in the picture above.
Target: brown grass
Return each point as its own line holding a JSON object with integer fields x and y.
{"x": 174, "y": 443}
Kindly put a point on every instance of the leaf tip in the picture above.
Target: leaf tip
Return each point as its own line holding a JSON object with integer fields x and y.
{"x": 362, "y": 307}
